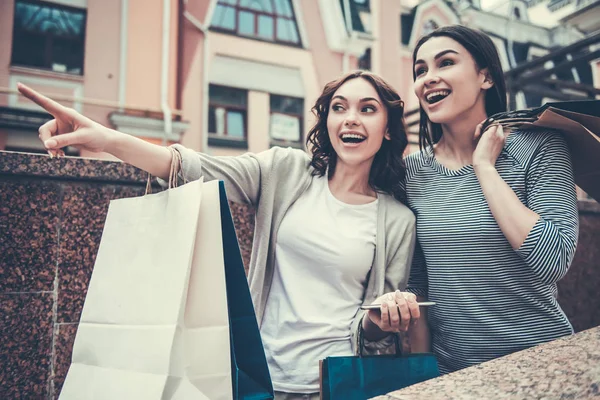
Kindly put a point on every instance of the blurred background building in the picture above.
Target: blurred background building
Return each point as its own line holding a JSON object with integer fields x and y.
{"x": 230, "y": 76}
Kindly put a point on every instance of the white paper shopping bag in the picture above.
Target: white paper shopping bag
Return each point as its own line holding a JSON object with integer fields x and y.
{"x": 155, "y": 320}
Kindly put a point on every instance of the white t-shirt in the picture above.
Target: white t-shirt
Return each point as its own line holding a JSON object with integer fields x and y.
{"x": 324, "y": 251}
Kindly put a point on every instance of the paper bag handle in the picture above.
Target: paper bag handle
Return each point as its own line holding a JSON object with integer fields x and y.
{"x": 176, "y": 167}
{"x": 361, "y": 343}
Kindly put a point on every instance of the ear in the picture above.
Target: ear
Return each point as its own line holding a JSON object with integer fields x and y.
{"x": 387, "y": 135}
{"x": 487, "y": 79}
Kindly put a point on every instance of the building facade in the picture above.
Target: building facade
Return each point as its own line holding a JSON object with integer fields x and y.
{"x": 230, "y": 76}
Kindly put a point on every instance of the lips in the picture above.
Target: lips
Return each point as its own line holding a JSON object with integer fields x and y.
{"x": 352, "y": 138}
{"x": 435, "y": 96}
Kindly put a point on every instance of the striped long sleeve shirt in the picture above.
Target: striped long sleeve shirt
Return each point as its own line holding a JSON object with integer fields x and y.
{"x": 492, "y": 300}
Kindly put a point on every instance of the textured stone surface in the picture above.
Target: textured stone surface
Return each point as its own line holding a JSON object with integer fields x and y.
{"x": 41, "y": 165}
{"x": 64, "y": 339}
{"x": 567, "y": 368}
{"x": 578, "y": 292}
{"x": 29, "y": 221}
{"x": 26, "y": 349}
{"x": 243, "y": 220}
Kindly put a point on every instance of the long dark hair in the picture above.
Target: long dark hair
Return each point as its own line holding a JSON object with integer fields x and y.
{"x": 388, "y": 170}
{"x": 485, "y": 54}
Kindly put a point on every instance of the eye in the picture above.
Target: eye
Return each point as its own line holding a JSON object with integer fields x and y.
{"x": 446, "y": 63}
{"x": 368, "y": 109}
{"x": 337, "y": 107}
{"x": 420, "y": 71}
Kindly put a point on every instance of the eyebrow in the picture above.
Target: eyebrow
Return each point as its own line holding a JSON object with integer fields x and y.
{"x": 438, "y": 55}
{"x": 364, "y": 99}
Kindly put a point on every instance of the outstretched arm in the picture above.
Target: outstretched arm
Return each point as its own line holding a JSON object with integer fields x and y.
{"x": 70, "y": 128}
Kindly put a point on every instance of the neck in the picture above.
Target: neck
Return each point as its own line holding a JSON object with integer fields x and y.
{"x": 351, "y": 179}
{"x": 458, "y": 141}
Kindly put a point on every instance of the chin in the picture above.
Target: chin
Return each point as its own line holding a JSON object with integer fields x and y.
{"x": 353, "y": 159}
{"x": 439, "y": 118}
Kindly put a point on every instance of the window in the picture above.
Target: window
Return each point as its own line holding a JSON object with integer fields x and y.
{"x": 271, "y": 20}
{"x": 286, "y": 121}
{"x": 364, "y": 61}
{"x": 49, "y": 36}
{"x": 360, "y": 14}
{"x": 429, "y": 26}
{"x": 227, "y": 116}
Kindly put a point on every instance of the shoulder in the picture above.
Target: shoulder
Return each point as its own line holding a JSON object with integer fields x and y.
{"x": 414, "y": 163}
{"x": 525, "y": 144}
{"x": 285, "y": 160}
{"x": 288, "y": 154}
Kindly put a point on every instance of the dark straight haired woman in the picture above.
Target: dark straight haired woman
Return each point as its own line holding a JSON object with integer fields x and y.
{"x": 497, "y": 220}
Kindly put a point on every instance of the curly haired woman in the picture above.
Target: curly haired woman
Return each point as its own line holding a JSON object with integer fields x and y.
{"x": 331, "y": 232}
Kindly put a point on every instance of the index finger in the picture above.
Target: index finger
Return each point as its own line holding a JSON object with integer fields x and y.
{"x": 46, "y": 103}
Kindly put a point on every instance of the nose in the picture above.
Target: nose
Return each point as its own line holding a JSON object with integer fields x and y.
{"x": 351, "y": 118}
{"x": 432, "y": 79}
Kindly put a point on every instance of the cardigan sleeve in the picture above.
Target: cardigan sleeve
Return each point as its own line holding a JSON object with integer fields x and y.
{"x": 242, "y": 175}
{"x": 400, "y": 243}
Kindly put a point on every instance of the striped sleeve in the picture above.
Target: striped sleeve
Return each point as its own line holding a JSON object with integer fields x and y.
{"x": 550, "y": 245}
{"x": 417, "y": 282}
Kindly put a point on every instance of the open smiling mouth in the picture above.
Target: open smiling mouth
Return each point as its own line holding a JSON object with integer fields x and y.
{"x": 352, "y": 138}
{"x": 437, "y": 96}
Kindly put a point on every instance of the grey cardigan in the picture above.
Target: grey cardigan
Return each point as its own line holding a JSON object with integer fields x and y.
{"x": 271, "y": 182}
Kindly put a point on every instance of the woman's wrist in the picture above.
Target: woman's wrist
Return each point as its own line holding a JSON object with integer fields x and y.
{"x": 114, "y": 141}
{"x": 371, "y": 331}
{"x": 484, "y": 168}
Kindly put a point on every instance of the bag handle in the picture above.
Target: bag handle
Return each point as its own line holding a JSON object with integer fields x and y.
{"x": 361, "y": 343}
{"x": 513, "y": 119}
{"x": 175, "y": 168}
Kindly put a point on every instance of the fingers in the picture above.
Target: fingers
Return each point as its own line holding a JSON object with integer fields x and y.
{"x": 409, "y": 309}
{"x": 47, "y": 130}
{"x": 398, "y": 311}
{"x": 46, "y": 103}
{"x": 413, "y": 307}
{"x": 478, "y": 131}
{"x": 395, "y": 315}
{"x": 500, "y": 132}
{"x": 385, "y": 316}
{"x": 66, "y": 139}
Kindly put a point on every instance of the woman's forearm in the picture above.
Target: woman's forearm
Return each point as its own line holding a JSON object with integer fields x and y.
{"x": 513, "y": 217}
{"x": 147, "y": 156}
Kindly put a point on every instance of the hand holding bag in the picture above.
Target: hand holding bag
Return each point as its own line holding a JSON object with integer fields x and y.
{"x": 362, "y": 377}
{"x": 165, "y": 304}
{"x": 578, "y": 121}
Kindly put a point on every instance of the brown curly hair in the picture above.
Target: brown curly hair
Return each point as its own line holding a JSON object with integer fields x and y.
{"x": 388, "y": 170}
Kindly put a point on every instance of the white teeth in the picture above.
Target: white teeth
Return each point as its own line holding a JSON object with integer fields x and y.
{"x": 352, "y": 136}
{"x": 437, "y": 93}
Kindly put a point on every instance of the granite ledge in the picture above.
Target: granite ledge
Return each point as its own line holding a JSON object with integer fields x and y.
{"x": 75, "y": 168}
{"x": 564, "y": 368}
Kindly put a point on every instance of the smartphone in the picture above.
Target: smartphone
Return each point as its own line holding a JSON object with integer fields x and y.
{"x": 377, "y": 306}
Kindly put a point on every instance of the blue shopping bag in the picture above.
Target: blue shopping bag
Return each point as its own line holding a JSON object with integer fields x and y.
{"x": 249, "y": 370}
{"x": 362, "y": 377}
